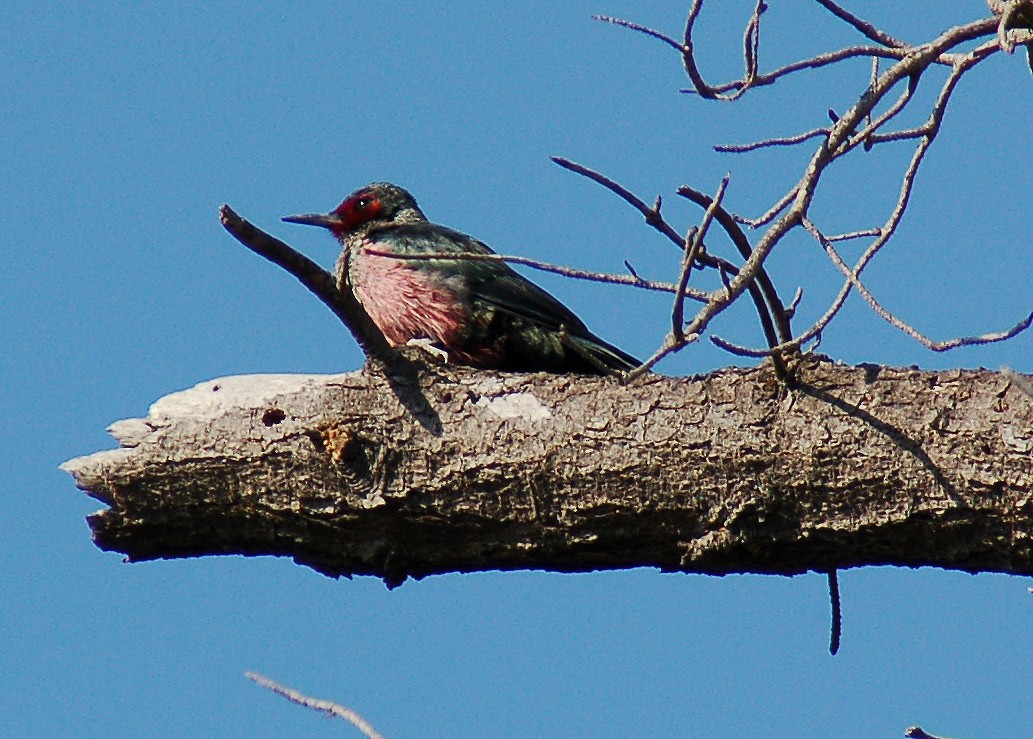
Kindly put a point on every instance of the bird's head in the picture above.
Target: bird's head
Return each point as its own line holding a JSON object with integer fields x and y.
{"x": 379, "y": 203}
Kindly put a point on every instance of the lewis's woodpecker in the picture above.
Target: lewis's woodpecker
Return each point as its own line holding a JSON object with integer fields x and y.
{"x": 481, "y": 313}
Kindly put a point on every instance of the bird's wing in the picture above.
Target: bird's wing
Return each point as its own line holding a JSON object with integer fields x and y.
{"x": 498, "y": 285}
{"x": 493, "y": 282}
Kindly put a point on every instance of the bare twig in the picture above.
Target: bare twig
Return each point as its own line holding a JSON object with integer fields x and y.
{"x": 779, "y": 319}
{"x": 751, "y": 42}
{"x": 639, "y": 28}
{"x": 1014, "y": 28}
{"x": 795, "y": 302}
{"x": 888, "y": 47}
{"x": 320, "y": 282}
{"x": 751, "y": 48}
{"x": 651, "y": 214}
{"x": 815, "y": 62}
{"x": 875, "y": 34}
{"x": 837, "y": 612}
{"x": 1009, "y": 11}
{"x": 669, "y": 345}
{"x": 857, "y": 126}
{"x": 771, "y": 213}
{"x": 929, "y": 131}
{"x": 936, "y": 346}
{"x": 841, "y": 130}
{"x": 738, "y": 349}
{"x": 871, "y": 87}
{"x": 689, "y": 58}
{"x": 915, "y": 732}
{"x": 692, "y": 242}
{"x": 655, "y": 219}
{"x": 676, "y": 339}
{"x": 779, "y": 141}
{"x": 751, "y": 77}
{"x": 917, "y": 59}
{"x": 863, "y": 233}
{"x": 866, "y": 135}
{"x": 317, "y": 704}
{"x": 632, "y": 280}
{"x": 712, "y": 209}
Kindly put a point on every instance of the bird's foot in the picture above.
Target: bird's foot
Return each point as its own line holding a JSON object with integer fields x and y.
{"x": 430, "y": 347}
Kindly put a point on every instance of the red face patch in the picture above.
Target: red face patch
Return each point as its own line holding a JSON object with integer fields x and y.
{"x": 359, "y": 208}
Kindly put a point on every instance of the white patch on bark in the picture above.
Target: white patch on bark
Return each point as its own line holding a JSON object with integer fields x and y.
{"x": 216, "y": 397}
{"x": 515, "y": 405}
{"x": 1014, "y": 438}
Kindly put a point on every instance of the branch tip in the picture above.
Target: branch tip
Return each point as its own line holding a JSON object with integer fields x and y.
{"x": 326, "y": 707}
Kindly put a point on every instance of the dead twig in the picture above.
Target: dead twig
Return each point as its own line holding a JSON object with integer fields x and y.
{"x": 837, "y": 612}
{"x": 859, "y": 125}
{"x": 777, "y": 141}
{"x": 320, "y": 282}
{"x": 868, "y": 29}
{"x": 861, "y": 234}
{"x": 772, "y": 212}
{"x": 775, "y": 319}
{"x": 632, "y": 280}
{"x": 650, "y": 213}
{"x": 936, "y": 346}
{"x": 655, "y": 219}
{"x": 676, "y": 338}
{"x": 916, "y": 732}
{"x": 888, "y": 48}
{"x": 929, "y": 130}
{"x": 317, "y": 704}
{"x": 678, "y": 311}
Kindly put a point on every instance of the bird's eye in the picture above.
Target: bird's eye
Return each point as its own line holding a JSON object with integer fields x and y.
{"x": 363, "y": 203}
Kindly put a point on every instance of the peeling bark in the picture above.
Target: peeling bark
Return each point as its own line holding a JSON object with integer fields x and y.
{"x": 729, "y": 472}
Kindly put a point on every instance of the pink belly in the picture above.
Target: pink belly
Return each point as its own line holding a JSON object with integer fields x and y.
{"x": 407, "y": 303}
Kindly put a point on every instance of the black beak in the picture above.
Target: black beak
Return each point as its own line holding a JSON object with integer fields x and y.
{"x": 326, "y": 220}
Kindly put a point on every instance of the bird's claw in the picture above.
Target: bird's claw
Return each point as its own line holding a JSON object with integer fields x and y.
{"x": 428, "y": 346}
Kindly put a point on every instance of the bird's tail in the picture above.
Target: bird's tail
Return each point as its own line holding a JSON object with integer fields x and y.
{"x": 604, "y": 358}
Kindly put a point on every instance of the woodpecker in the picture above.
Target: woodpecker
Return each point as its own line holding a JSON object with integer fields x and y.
{"x": 478, "y": 313}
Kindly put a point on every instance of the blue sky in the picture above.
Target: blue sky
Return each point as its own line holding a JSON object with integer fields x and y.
{"x": 124, "y": 128}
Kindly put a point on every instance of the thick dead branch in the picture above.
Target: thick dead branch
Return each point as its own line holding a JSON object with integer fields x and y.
{"x": 320, "y": 282}
{"x": 717, "y": 474}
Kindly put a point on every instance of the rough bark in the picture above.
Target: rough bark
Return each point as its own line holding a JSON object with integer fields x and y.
{"x": 729, "y": 472}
